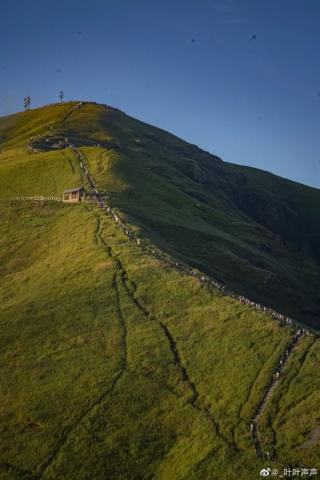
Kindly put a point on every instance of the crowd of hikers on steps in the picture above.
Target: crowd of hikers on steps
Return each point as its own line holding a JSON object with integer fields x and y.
{"x": 273, "y": 381}
{"x": 50, "y": 140}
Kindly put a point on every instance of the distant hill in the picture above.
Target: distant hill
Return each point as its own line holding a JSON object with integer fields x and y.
{"x": 114, "y": 363}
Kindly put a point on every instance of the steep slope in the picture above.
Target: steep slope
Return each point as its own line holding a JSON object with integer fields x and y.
{"x": 114, "y": 364}
{"x": 257, "y": 233}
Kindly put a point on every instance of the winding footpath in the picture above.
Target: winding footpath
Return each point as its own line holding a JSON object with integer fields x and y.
{"x": 172, "y": 344}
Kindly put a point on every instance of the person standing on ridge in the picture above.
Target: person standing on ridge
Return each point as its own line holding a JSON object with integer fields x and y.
{"x": 61, "y": 95}
{"x": 25, "y": 102}
{"x": 28, "y": 102}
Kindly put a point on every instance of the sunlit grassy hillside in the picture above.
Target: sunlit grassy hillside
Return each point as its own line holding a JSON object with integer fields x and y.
{"x": 91, "y": 379}
{"x": 258, "y": 233}
{"x": 115, "y": 365}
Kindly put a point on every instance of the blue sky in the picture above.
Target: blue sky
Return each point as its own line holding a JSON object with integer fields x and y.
{"x": 238, "y": 78}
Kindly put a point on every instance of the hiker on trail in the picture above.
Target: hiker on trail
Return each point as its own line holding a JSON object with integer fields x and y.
{"x": 28, "y": 102}
{"x": 61, "y": 95}
{"x": 25, "y": 102}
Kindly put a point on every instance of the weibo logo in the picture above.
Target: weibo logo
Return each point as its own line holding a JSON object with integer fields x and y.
{"x": 265, "y": 472}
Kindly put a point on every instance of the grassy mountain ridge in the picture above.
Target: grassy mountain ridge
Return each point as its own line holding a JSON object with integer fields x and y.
{"x": 253, "y": 230}
{"x": 114, "y": 364}
{"x": 258, "y": 233}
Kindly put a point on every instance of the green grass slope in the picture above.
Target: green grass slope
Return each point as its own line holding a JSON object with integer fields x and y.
{"x": 258, "y": 233}
{"x": 113, "y": 364}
